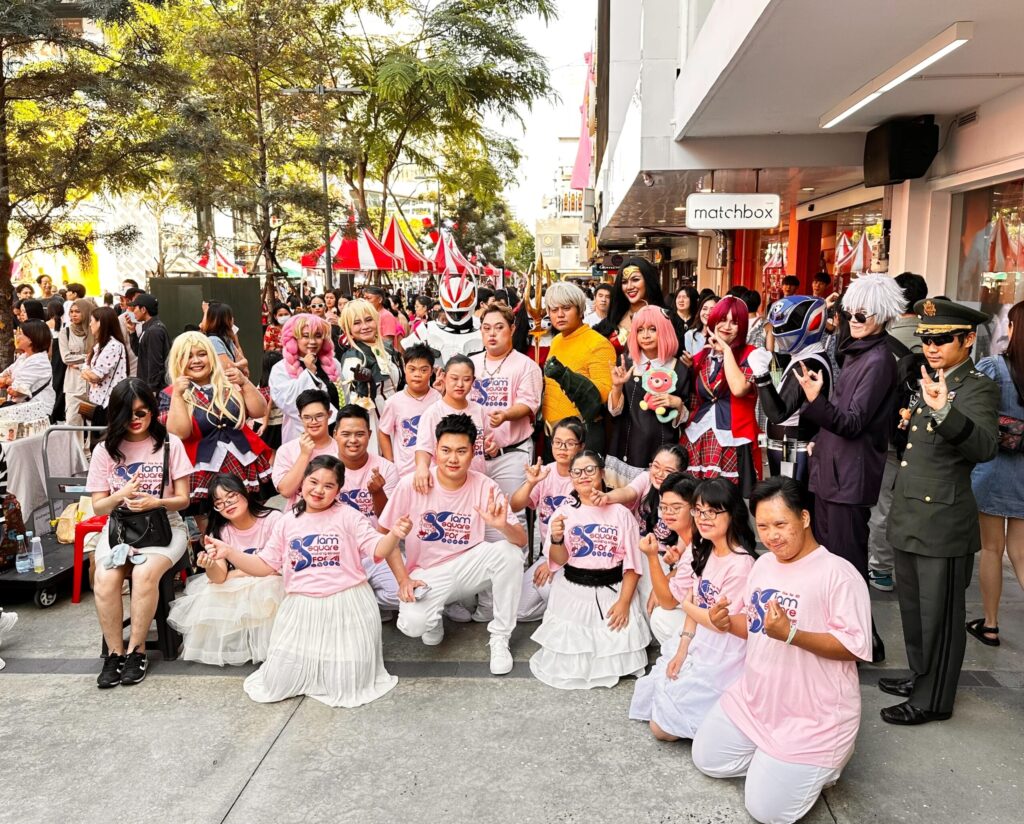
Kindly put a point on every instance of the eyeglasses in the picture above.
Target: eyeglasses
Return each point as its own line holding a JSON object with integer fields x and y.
{"x": 584, "y": 471}
{"x": 565, "y": 444}
{"x": 319, "y": 418}
{"x": 707, "y": 514}
{"x": 660, "y": 468}
{"x": 860, "y": 317}
{"x": 671, "y": 509}
{"x": 937, "y": 340}
{"x": 139, "y": 414}
{"x": 228, "y": 499}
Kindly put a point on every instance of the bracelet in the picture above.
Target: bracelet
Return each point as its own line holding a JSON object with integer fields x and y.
{"x": 559, "y": 542}
{"x": 792, "y": 634}
{"x": 687, "y": 634}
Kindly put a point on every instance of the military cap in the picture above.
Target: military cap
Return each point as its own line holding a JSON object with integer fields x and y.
{"x": 938, "y": 316}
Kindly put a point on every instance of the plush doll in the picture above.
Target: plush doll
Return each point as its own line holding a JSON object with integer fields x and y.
{"x": 658, "y": 381}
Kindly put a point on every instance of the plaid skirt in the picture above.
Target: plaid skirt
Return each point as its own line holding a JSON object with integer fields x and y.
{"x": 709, "y": 459}
{"x": 254, "y": 476}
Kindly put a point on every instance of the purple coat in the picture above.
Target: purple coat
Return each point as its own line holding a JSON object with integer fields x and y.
{"x": 856, "y": 424}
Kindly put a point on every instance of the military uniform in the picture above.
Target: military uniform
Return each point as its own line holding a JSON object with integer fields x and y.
{"x": 933, "y": 522}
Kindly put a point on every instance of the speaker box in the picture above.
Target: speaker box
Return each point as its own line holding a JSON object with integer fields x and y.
{"x": 900, "y": 150}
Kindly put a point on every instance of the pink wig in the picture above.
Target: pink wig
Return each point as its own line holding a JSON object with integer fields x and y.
{"x": 730, "y": 305}
{"x": 668, "y": 343}
{"x": 290, "y": 346}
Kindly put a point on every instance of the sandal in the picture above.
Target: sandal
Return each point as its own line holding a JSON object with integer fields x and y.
{"x": 978, "y": 629}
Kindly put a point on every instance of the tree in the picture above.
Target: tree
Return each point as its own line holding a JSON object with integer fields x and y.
{"x": 481, "y": 231}
{"x": 521, "y": 248}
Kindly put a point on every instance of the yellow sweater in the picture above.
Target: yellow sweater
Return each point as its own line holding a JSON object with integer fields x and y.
{"x": 587, "y": 353}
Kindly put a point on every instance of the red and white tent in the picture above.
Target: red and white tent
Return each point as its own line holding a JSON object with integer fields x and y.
{"x": 1002, "y": 251}
{"x": 844, "y": 246}
{"x": 215, "y": 260}
{"x": 859, "y": 260}
{"x": 448, "y": 260}
{"x": 411, "y": 258}
{"x": 360, "y": 252}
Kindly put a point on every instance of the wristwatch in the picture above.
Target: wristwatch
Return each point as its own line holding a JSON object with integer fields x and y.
{"x": 559, "y": 542}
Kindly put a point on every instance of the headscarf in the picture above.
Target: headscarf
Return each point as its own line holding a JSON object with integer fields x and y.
{"x": 81, "y": 329}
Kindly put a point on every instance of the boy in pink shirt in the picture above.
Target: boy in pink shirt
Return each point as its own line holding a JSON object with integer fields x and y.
{"x": 398, "y": 428}
{"x": 446, "y": 545}
{"x": 790, "y": 722}
{"x": 292, "y": 458}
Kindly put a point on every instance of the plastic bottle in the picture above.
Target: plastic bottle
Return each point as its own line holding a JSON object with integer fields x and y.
{"x": 22, "y": 561}
{"x": 36, "y": 544}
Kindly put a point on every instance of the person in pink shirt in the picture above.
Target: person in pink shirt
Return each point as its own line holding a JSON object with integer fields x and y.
{"x": 389, "y": 327}
{"x": 459, "y": 374}
{"x": 326, "y": 641}
{"x": 293, "y": 457}
{"x": 593, "y": 631}
{"x": 447, "y": 548}
{"x": 790, "y": 722}
{"x": 226, "y": 616}
{"x": 399, "y": 423}
{"x": 688, "y": 680}
{"x": 544, "y": 490}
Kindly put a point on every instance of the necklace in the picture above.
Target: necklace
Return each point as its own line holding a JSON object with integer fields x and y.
{"x": 497, "y": 371}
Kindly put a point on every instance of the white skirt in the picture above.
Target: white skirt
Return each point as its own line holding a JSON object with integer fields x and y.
{"x": 578, "y": 649}
{"x": 327, "y": 648}
{"x": 228, "y": 623}
{"x": 713, "y": 662}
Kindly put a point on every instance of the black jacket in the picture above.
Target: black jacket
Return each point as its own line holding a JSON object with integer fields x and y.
{"x": 152, "y": 346}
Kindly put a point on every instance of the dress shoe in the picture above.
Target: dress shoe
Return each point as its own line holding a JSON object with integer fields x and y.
{"x": 909, "y": 715}
{"x": 897, "y": 686}
{"x": 877, "y": 647}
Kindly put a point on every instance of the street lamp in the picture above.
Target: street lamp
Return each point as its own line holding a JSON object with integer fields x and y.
{"x": 322, "y": 92}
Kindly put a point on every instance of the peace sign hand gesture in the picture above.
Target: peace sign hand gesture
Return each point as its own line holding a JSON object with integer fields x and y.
{"x": 810, "y": 382}
{"x": 935, "y": 393}
{"x": 620, "y": 374}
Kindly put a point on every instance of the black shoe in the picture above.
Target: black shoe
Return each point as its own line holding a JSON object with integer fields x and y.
{"x": 908, "y": 715}
{"x": 877, "y": 647}
{"x": 110, "y": 675}
{"x": 897, "y": 686}
{"x": 134, "y": 668}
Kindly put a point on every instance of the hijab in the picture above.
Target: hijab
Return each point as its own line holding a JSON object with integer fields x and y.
{"x": 81, "y": 329}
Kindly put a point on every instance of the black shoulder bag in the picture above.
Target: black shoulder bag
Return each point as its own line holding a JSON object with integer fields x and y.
{"x": 142, "y": 529}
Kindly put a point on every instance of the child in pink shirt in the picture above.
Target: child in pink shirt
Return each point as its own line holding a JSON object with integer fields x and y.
{"x": 398, "y": 428}
{"x": 292, "y": 458}
{"x": 790, "y": 722}
{"x": 327, "y": 639}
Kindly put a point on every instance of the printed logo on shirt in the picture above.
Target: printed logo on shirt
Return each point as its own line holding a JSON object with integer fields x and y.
{"x": 446, "y": 527}
{"x": 149, "y": 477}
{"x": 599, "y": 540}
{"x": 358, "y": 499}
{"x": 548, "y": 504}
{"x": 757, "y": 609}
{"x": 707, "y": 594}
{"x": 491, "y": 393}
{"x": 314, "y": 551}
{"x": 251, "y": 550}
{"x": 409, "y": 430}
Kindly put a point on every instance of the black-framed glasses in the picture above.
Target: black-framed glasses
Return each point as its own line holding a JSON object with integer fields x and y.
{"x": 860, "y": 317}
{"x": 139, "y": 414}
{"x": 937, "y": 340}
{"x": 584, "y": 471}
{"x": 564, "y": 444}
{"x": 707, "y": 514}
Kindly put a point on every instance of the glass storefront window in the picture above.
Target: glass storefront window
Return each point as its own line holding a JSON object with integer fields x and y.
{"x": 990, "y": 266}
{"x": 859, "y": 246}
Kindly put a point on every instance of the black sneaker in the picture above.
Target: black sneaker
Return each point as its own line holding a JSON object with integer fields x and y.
{"x": 134, "y": 668}
{"x": 110, "y": 676}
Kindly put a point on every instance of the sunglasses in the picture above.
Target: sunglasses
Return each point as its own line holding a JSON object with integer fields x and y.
{"x": 316, "y": 306}
{"x": 937, "y": 340}
{"x": 860, "y": 317}
{"x": 139, "y": 414}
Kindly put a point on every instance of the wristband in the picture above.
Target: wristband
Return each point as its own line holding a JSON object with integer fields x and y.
{"x": 559, "y": 542}
{"x": 792, "y": 634}
{"x": 687, "y": 634}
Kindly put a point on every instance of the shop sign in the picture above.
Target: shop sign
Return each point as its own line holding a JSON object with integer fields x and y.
{"x": 721, "y": 210}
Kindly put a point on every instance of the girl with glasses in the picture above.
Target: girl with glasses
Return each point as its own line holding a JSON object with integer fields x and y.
{"x": 593, "y": 631}
{"x": 684, "y": 686}
{"x": 226, "y": 615}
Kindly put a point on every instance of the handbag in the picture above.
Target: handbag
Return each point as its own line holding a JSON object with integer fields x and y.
{"x": 142, "y": 529}
{"x": 86, "y": 410}
{"x": 1011, "y": 430}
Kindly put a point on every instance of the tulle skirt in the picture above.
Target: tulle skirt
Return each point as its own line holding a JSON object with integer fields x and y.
{"x": 227, "y": 623}
{"x": 327, "y": 648}
{"x": 578, "y": 650}
{"x": 713, "y": 662}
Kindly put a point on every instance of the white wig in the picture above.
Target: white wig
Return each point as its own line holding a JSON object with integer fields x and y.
{"x": 877, "y": 295}
{"x": 565, "y": 293}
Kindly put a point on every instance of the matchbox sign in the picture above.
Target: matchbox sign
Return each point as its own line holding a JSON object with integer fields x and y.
{"x": 720, "y": 210}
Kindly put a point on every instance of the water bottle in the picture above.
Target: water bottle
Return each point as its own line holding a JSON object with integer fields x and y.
{"x": 37, "y": 554}
{"x": 22, "y": 560}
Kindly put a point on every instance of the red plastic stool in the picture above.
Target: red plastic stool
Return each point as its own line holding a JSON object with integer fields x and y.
{"x": 83, "y": 528}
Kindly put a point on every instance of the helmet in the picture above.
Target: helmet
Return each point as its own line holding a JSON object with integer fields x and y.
{"x": 458, "y": 298}
{"x": 797, "y": 322}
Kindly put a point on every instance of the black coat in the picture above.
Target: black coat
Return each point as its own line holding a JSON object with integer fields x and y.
{"x": 856, "y": 424}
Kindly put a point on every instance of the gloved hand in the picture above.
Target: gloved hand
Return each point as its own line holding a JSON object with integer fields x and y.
{"x": 554, "y": 369}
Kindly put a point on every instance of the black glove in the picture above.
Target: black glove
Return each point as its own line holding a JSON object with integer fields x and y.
{"x": 554, "y": 369}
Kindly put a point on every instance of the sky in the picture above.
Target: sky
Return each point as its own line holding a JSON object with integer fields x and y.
{"x": 562, "y": 43}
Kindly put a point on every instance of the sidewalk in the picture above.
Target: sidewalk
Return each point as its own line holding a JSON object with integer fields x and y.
{"x": 451, "y": 742}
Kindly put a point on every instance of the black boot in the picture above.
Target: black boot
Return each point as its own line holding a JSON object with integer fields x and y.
{"x": 877, "y": 647}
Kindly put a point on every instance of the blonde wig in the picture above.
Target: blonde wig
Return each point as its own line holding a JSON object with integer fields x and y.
{"x": 224, "y": 392}
{"x": 359, "y": 308}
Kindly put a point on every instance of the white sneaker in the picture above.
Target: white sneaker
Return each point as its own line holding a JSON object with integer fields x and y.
{"x": 458, "y": 613}
{"x": 7, "y": 622}
{"x": 501, "y": 658}
{"x": 434, "y": 636}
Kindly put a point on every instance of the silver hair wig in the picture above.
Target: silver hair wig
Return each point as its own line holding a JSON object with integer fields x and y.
{"x": 877, "y": 295}
{"x": 564, "y": 293}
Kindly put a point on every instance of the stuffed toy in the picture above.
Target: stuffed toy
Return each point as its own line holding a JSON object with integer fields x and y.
{"x": 658, "y": 381}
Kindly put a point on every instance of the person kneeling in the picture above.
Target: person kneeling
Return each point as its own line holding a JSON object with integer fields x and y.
{"x": 790, "y": 722}
{"x": 446, "y": 547}
{"x": 326, "y": 641}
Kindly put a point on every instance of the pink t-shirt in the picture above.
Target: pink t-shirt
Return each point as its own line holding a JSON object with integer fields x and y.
{"x": 432, "y": 416}
{"x": 108, "y": 475}
{"x": 354, "y": 491}
{"x": 642, "y": 484}
{"x": 400, "y": 420}
{"x": 599, "y": 537}
{"x": 445, "y": 523}
{"x": 795, "y": 705}
{"x": 682, "y": 583}
{"x": 288, "y": 453}
{"x": 548, "y": 495}
{"x": 723, "y": 577}
{"x": 320, "y": 553}
{"x": 251, "y": 540}
{"x": 388, "y": 324}
{"x": 516, "y": 380}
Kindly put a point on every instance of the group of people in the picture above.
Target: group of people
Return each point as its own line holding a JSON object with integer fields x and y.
{"x": 646, "y": 446}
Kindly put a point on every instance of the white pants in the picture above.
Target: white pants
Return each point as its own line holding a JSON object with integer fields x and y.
{"x": 497, "y": 566}
{"x": 666, "y": 624}
{"x": 775, "y": 792}
{"x": 533, "y": 599}
{"x": 382, "y": 580}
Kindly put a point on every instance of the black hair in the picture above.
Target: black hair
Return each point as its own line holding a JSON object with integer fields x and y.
{"x": 130, "y": 294}
{"x": 785, "y": 489}
{"x": 620, "y": 303}
{"x": 55, "y": 311}
{"x": 77, "y": 288}
{"x": 455, "y": 360}
{"x": 308, "y": 396}
{"x": 271, "y": 358}
{"x": 914, "y": 288}
{"x": 483, "y": 295}
{"x": 351, "y": 410}
{"x": 419, "y": 351}
{"x": 219, "y": 320}
{"x": 119, "y": 416}
{"x": 694, "y": 297}
{"x": 39, "y": 279}
{"x": 132, "y": 281}
{"x": 822, "y": 277}
{"x": 321, "y": 462}
{"x": 753, "y": 300}
{"x": 110, "y": 326}
{"x": 791, "y": 280}
{"x": 456, "y": 424}
{"x": 374, "y": 290}
{"x": 597, "y": 458}
{"x": 34, "y": 309}
{"x": 422, "y": 300}
{"x": 696, "y": 324}
{"x": 232, "y": 483}
{"x": 606, "y": 287}
{"x": 39, "y": 335}
{"x": 738, "y": 291}
{"x": 574, "y": 425}
{"x": 720, "y": 494}
{"x": 648, "y": 510}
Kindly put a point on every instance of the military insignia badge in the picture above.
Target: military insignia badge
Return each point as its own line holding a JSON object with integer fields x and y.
{"x": 929, "y": 309}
